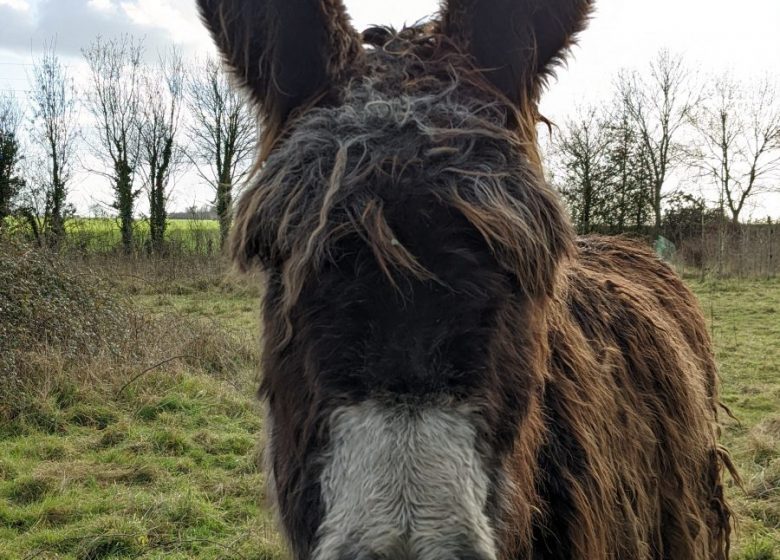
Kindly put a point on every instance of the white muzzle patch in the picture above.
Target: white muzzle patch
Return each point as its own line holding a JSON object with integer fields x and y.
{"x": 404, "y": 482}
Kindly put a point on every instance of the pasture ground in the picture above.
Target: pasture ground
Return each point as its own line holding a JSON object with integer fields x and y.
{"x": 144, "y": 459}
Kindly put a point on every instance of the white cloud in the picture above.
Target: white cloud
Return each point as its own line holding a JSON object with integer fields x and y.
{"x": 178, "y": 20}
{"x": 21, "y": 5}
{"x": 105, "y": 6}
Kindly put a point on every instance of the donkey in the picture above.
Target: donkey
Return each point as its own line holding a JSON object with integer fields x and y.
{"x": 448, "y": 371}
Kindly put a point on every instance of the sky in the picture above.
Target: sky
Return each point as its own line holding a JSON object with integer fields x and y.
{"x": 713, "y": 36}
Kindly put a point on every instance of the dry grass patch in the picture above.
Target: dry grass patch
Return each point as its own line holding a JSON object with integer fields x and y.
{"x": 80, "y": 472}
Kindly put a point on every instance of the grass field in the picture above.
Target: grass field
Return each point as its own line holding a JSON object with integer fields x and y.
{"x": 102, "y": 235}
{"x": 160, "y": 462}
{"x": 745, "y": 322}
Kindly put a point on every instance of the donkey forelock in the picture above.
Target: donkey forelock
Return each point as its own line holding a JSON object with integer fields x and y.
{"x": 411, "y": 129}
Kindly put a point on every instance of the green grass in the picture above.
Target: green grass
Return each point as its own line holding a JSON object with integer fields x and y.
{"x": 744, "y": 319}
{"x": 111, "y": 225}
{"x": 142, "y": 226}
{"x": 172, "y": 474}
{"x": 166, "y": 469}
{"x": 100, "y": 459}
{"x": 168, "y": 473}
{"x": 100, "y": 235}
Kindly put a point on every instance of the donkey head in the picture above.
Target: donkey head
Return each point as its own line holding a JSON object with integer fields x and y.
{"x": 410, "y": 245}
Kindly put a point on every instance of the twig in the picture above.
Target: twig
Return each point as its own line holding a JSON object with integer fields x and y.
{"x": 150, "y": 368}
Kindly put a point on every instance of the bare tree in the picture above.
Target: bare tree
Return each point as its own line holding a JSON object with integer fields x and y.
{"x": 660, "y": 103}
{"x": 10, "y": 155}
{"x": 54, "y": 129}
{"x": 629, "y": 190}
{"x": 739, "y": 133}
{"x": 222, "y": 136}
{"x": 602, "y": 170}
{"x": 581, "y": 149}
{"x": 162, "y": 154}
{"x": 115, "y": 100}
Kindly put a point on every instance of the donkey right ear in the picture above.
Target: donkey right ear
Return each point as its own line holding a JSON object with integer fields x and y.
{"x": 516, "y": 42}
{"x": 284, "y": 52}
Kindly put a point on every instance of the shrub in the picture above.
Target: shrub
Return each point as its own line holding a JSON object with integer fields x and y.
{"x": 46, "y": 306}
{"x": 68, "y": 338}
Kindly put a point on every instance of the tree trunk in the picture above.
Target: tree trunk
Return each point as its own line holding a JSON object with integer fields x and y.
{"x": 586, "y": 208}
{"x": 125, "y": 202}
{"x": 57, "y": 213}
{"x": 158, "y": 216}
{"x": 224, "y": 209}
{"x": 657, "y": 209}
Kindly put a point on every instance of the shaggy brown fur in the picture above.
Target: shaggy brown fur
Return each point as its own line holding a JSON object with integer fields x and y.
{"x": 628, "y": 345}
{"x": 414, "y": 251}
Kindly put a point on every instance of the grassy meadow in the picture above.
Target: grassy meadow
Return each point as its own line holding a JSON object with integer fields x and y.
{"x": 744, "y": 317}
{"x": 95, "y": 236}
{"x": 102, "y": 235}
{"x": 130, "y": 428}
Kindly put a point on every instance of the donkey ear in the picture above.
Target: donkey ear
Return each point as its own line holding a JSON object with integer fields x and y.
{"x": 516, "y": 42}
{"x": 285, "y": 52}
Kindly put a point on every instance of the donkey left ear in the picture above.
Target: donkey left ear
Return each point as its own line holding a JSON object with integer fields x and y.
{"x": 517, "y": 43}
{"x": 285, "y": 52}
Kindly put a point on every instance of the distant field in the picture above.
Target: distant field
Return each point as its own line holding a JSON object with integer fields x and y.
{"x": 76, "y": 225}
{"x": 102, "y": 225}
{"x": 165, "y": 469}
{"x": 102, "y": 235}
